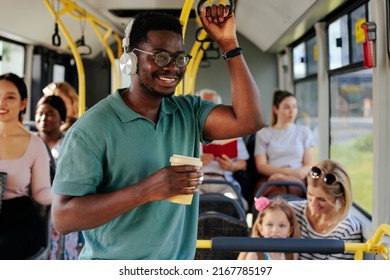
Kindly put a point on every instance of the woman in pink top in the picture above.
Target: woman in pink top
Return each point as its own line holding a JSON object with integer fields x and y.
{"x": 24, "y": 160}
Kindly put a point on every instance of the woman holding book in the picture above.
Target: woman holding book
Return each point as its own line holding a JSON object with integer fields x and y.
{"x": 222, "y": 158}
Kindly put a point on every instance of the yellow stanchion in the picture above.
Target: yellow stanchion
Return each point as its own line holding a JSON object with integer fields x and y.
{"x": 184, "y": 16}
{"x": 80, "y": 14}
{"x": 372, "y": 245}
{"x": 197, "y": 53}
{"x": 75, "y": 52}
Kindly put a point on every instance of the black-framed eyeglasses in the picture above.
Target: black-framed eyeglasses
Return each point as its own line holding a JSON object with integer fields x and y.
{"x": 328, "y": 178}
{"x": 162, "y": 59}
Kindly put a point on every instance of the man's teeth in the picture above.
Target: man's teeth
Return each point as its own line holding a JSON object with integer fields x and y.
{"x": 167, "y": 79}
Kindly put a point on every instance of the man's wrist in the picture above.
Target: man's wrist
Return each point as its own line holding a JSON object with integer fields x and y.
{"x": 232, "y": 53}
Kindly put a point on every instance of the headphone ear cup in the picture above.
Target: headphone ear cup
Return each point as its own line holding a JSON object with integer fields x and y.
{"x": 128, "y": 63}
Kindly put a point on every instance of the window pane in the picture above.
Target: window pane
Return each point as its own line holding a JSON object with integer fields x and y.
{"x": 12, "y": 58}
{"x": 299, "y": 58}
{"x": 351, "y": 131}
{"x": 307, "y": 99}
{"x": 312, "y": 56}
{"x": 338, "y": 43}
{"x": 357, "y": 19}
{"x": 58, "y": 73}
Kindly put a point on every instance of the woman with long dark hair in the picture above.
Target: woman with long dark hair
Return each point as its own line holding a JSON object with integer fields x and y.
{"x": 25, "y": 161}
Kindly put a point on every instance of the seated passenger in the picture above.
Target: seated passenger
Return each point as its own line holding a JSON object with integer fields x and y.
{"x": 25, "y": 162}
{"x": 222, "y": 167}
{"x": 276, "y": 219}
{"x": 325, "y": 214}
{"x": 284, "y": 150}
{"x": 50, "y": 115}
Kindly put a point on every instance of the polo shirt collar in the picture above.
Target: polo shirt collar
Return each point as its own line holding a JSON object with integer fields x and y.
{"x": 126, "y": 114}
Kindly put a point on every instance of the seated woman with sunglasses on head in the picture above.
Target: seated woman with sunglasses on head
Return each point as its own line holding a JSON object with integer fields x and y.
{"x": 325, "y": 213}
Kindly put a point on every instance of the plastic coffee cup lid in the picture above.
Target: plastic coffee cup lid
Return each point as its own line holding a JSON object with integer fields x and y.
{"x": 186, "y": 160}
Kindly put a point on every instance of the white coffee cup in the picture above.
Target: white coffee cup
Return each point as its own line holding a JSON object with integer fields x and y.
{"x": 184, "y": 160}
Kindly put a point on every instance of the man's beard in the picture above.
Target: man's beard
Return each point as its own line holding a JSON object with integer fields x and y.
{"x": 151, "y": 92}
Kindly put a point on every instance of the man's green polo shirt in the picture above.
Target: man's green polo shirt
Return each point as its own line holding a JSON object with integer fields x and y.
{"x": 111, "y": 147}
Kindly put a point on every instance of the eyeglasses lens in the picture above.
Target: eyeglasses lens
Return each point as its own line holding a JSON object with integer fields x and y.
{"x": 182, "y": 60}
{"x": 162, "y": 59}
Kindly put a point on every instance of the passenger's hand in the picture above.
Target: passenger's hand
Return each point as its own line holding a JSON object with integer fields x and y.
{"x": 277, "y": 177}
{"x": 172, "y": 180}
{"x": 301, "y": 173}
{"x": 218, "y": 23}
{"x": 206, "y": 158}
{"x": 226, "y": 163}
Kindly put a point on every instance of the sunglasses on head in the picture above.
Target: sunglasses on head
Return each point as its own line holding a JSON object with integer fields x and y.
{"x": 162, "y": 59}
{"x": 328, "y": 178}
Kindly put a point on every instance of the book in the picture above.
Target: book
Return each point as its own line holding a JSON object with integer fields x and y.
{"x": 227, "y": 147}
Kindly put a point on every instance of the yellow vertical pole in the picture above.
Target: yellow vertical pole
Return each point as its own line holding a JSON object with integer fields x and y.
{"x": 76, "y": 55}
{"x": 185, "y": 13}
{"x": 77, "y": 12}
{"x": 197, "y": 53}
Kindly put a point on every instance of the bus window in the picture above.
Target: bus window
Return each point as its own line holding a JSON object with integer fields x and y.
{"x": 12, "y": 58}
{"x": 299, "y": 56}
{"x": 338, "y": 43}
{"x": 351, "y": 130}
{"x": 357, "y": 18}
{"x": 307, "y": 98}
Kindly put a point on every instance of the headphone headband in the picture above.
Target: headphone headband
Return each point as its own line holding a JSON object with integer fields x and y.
{"x": 126, "y": 39}
{"x": 128, "y": 60}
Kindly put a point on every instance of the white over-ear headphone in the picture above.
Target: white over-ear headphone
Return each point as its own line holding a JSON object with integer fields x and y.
{"x": 128, "y": 60}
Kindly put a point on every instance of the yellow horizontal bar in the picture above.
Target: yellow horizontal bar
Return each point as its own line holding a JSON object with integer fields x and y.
{"x": 372, "y": 245}
{"x": 203, "y": 244}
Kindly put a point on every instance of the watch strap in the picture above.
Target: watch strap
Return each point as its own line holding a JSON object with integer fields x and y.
{"x": 232, "y": 53}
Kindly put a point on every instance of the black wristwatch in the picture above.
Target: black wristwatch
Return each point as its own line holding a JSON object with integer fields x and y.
{"x": 232, "y": 53}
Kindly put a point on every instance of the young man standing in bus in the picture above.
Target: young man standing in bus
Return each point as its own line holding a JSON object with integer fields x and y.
{"x": 114, "y": 177}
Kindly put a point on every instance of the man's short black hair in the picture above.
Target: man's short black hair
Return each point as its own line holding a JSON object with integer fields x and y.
{"x": 147, "y": 21}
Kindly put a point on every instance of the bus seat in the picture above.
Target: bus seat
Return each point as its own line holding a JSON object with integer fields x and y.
{"x": 229, "y": 189}
{"x": 286, "y": 196}
{"x": 221, "y": 203}
{"x": 214, "y": 224}
{"x": 268, "y": 184}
